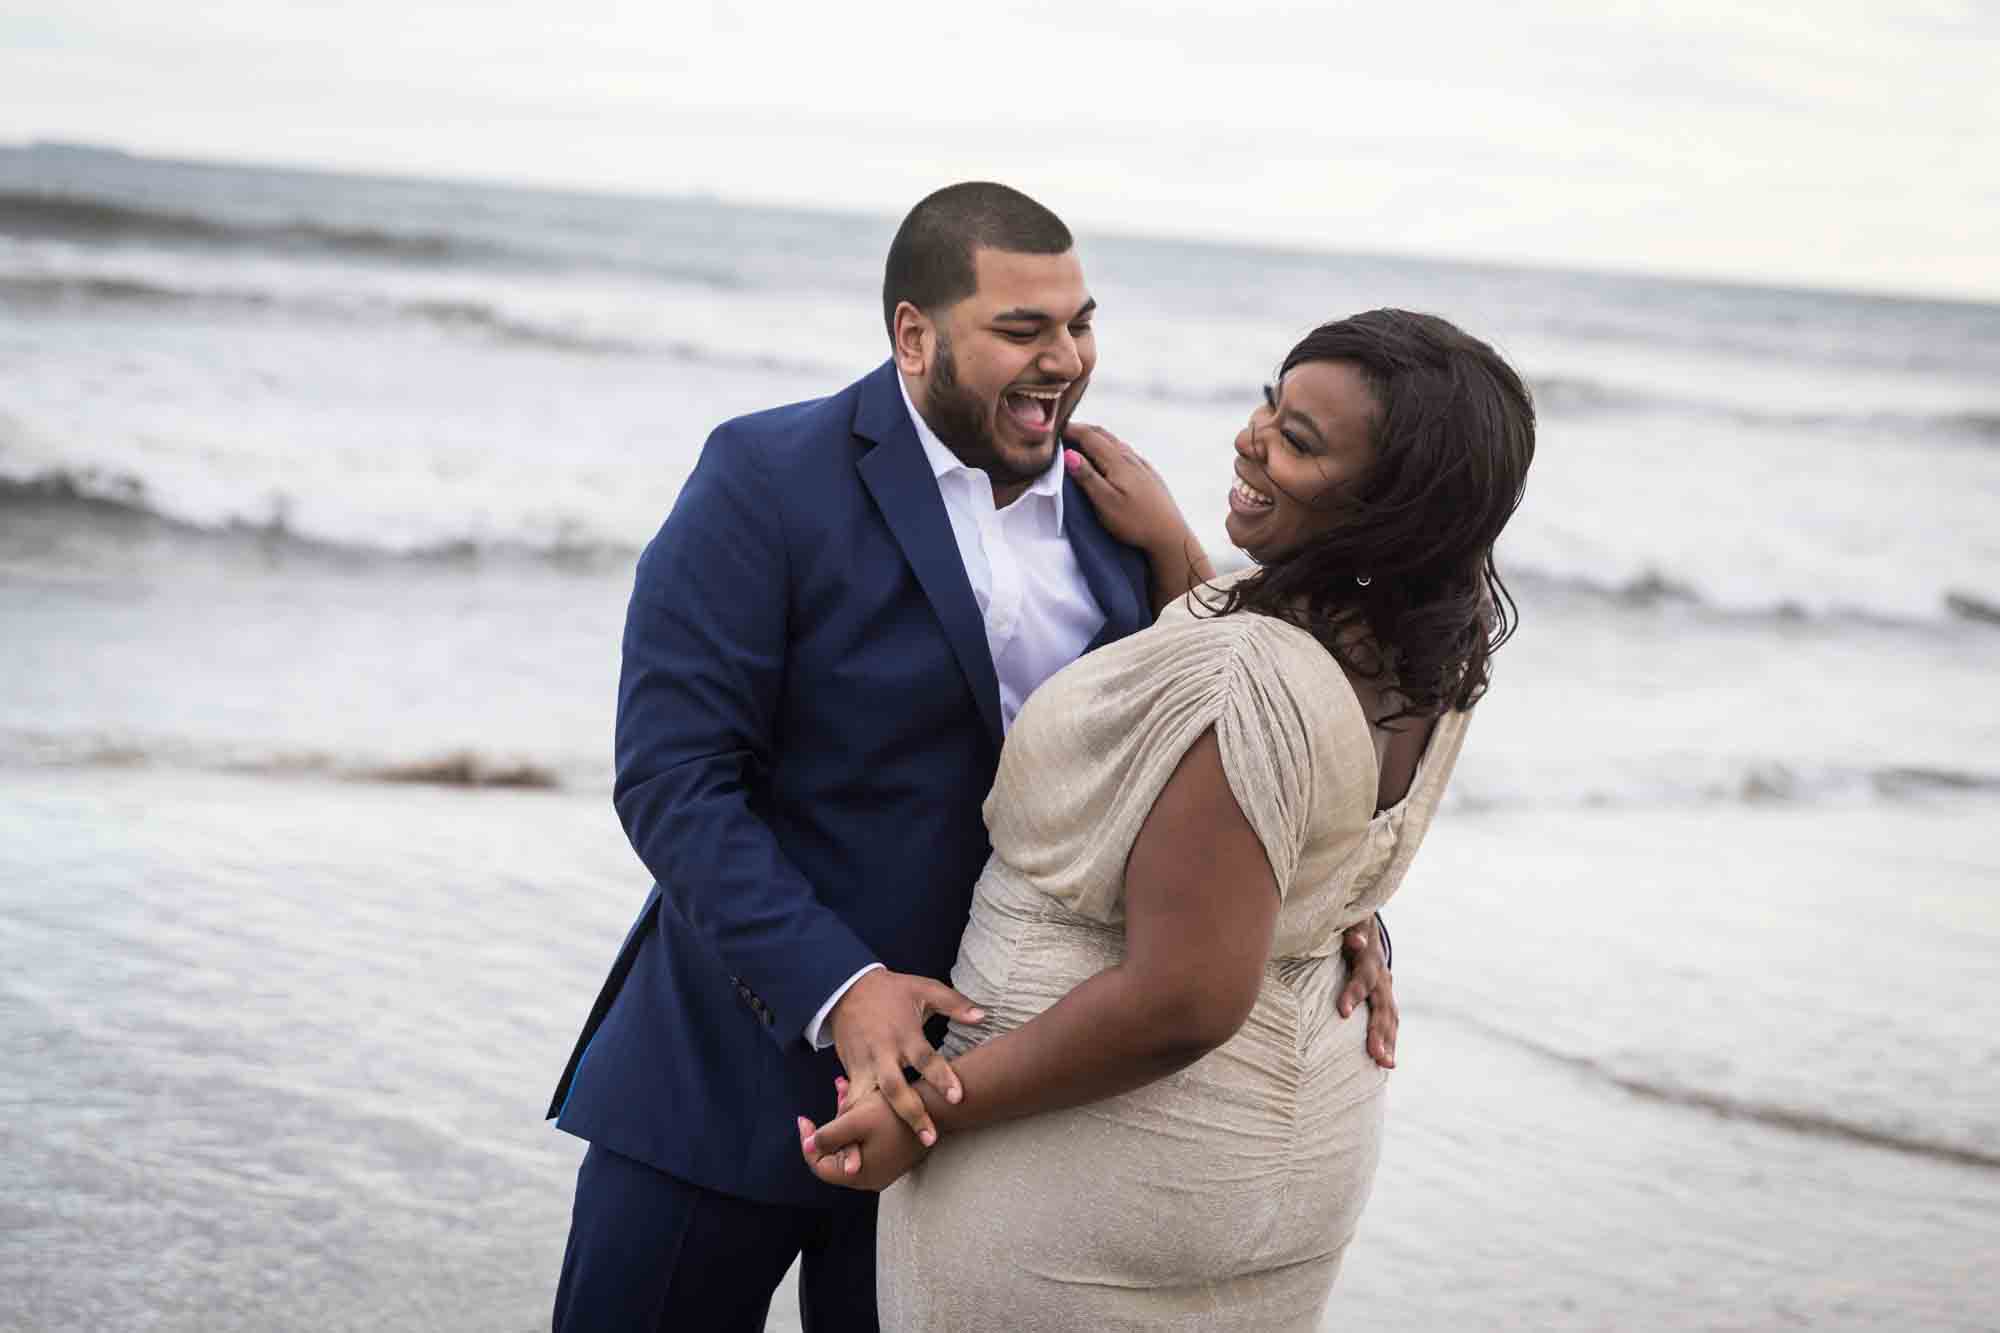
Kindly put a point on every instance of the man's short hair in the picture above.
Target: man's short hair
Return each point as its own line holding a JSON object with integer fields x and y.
{"x": 931, "y": 260}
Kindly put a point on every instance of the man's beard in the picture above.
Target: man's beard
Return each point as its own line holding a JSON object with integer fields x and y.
{"x": 965, "y": 425}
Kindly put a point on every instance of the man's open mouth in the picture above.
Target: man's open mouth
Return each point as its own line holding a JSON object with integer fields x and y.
{"x": 1034, "y": 410}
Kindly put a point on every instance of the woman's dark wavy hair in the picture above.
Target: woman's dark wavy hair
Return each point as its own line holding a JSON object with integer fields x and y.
{"x": 1454, "y": 433}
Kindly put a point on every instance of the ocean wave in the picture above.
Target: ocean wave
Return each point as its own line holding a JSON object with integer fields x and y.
{"x": 101, "y": 221}
{"x": 1573, "y": 397}
{"x": 486, "y": 321}
{"x": 1912, "y": 334}
{"x": 1651, "y": 589}
{"x": 467, "y": 318}
{"x": 1753, "y": 783}
{"x": 1978, "y": 610}
{"x": 91, "y": 221}
{"x": 1811, "y": 1121}
{"x": 115, "y": 507}
{"x": 467, "y": 769}
{"x": 1560, "y": 396}
{"x": 1743, "y": 782}
{"x": 1983, "y": 425}
{"x": 481, "y": 319}
{"x": 1557, "y": 397}
{"x": 1648, "y": 588}
{"x": 83, "y": 503}
{"x": 1569, "y": 395}
{"x": 1974, "y": 428}
{"x": 86, "y": 290}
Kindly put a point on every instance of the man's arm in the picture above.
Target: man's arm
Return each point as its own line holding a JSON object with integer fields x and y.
{"x": 702, "y": 676}
{"x": 698, "y": 691}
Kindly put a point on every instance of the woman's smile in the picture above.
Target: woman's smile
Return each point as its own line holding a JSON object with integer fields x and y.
{"x": 1247, "y": 499}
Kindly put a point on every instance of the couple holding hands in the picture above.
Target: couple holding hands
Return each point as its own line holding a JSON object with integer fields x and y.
{"x": 1151, "y": 1096}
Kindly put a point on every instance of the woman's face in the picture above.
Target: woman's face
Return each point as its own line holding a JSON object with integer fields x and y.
{"x": 1308, "y": 439}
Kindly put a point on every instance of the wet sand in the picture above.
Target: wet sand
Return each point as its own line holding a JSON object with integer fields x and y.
{"x": 287, "y": 1043}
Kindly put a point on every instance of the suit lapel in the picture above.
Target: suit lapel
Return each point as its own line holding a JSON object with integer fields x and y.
{"x": 1108, "y": 568}
{"x": 899, "y": 477}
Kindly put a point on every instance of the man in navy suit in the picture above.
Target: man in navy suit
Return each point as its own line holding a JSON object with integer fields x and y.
{"x": 825, "y": 645}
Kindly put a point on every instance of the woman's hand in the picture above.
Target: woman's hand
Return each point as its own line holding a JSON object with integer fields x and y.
{"x": 865, "y": 1147}
{"x": 1134, "y": 505}
{"x": 1131, "y": 498}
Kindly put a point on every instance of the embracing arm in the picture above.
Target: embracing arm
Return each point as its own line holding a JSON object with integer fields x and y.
{"x": 1200, "y": 907}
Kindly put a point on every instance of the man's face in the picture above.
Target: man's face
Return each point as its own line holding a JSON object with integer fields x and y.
{"x": 1009, "y": 364}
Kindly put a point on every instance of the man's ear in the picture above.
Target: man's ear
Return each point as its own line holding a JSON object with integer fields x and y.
{"x": 914, "y": 339}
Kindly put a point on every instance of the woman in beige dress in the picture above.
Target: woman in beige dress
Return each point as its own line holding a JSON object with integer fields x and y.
{"x": 1165, "y": 1122}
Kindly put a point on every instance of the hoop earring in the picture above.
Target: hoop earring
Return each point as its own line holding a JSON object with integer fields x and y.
{"x": 1363, "y": 580}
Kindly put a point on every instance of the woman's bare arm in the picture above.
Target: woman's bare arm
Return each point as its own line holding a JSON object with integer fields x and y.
{"x": 1200, "y": 908}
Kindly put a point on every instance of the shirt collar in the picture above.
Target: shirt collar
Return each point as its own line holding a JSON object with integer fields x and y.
{"x": 943, "y": 460}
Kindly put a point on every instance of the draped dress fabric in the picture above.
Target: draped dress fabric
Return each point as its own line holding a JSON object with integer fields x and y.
{"x": 1223, "y": 1196}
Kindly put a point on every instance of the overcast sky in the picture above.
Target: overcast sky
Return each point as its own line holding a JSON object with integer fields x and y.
{"x": 1834, "y": 142}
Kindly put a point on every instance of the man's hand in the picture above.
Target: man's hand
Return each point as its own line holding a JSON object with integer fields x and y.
{"x": 878, "y": 1031}
{"x": 1369, "y": 982}
{"x": 864, "y": 1148}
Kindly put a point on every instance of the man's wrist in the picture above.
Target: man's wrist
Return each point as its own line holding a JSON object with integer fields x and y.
{"x": 819, "y": 1032}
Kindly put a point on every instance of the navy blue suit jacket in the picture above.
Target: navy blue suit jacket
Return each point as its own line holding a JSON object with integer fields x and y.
{"x": 808, "y": 722}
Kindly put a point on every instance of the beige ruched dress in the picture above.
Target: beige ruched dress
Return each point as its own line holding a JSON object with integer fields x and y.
{"x": 1223, "y": 1196}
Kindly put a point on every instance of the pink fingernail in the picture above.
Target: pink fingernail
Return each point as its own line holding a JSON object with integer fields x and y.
{"x": 1072, "y": 459}
{"x": 975, "y": 1015}
{"x": 927, "y": 1138}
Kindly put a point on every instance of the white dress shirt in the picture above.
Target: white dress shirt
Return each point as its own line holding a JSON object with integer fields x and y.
{"x": 1038, "y": 611}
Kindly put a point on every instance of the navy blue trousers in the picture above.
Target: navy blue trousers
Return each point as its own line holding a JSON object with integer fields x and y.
{"x": 651, "y": 1252}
